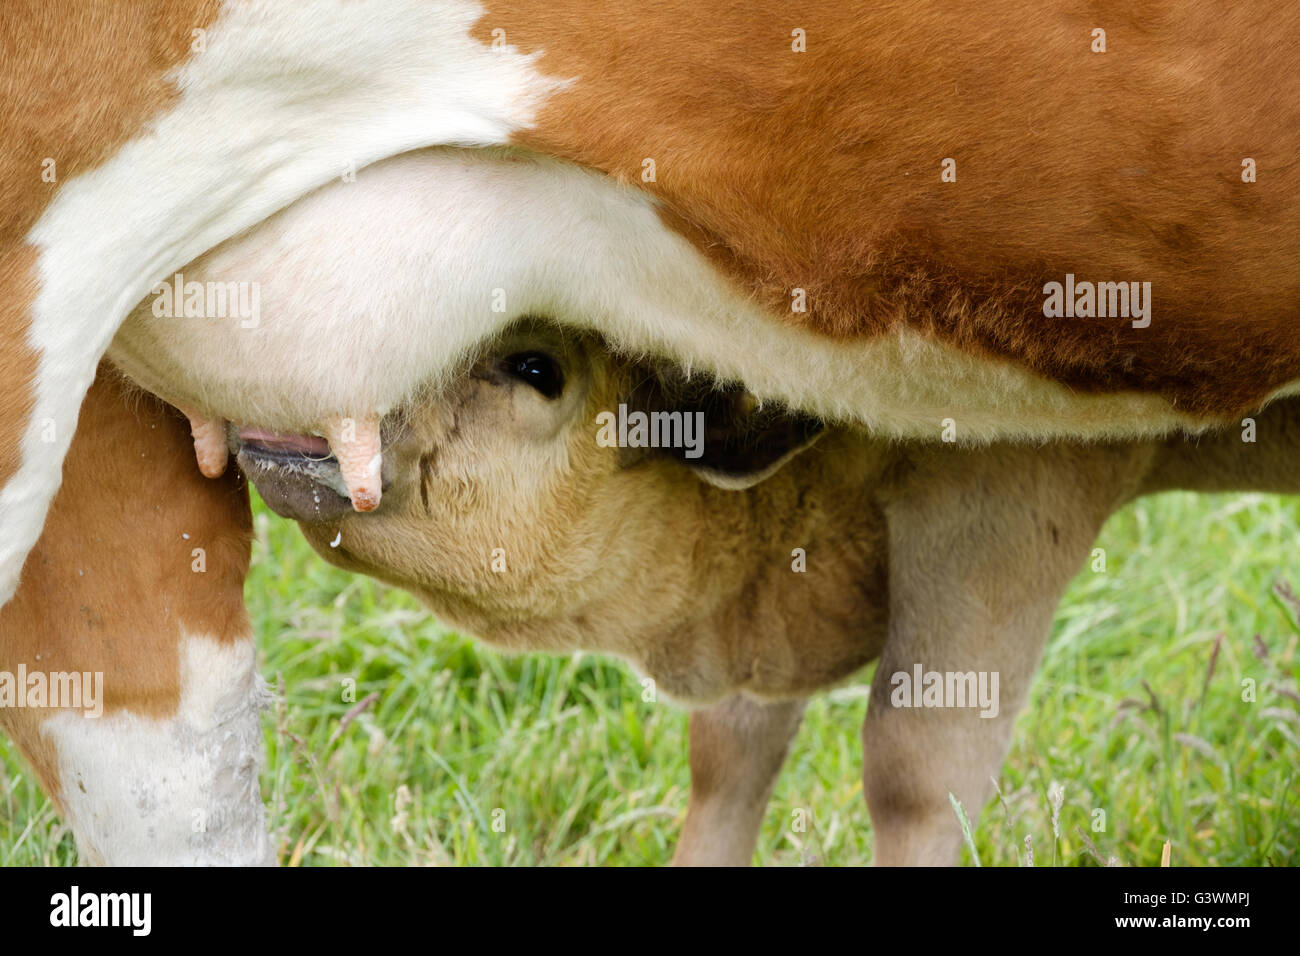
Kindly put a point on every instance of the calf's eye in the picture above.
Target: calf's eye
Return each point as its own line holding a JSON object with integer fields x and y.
{"x": 537, "y": 369}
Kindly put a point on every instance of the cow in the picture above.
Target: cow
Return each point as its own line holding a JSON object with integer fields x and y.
{"x": 889, "y": 206}
{"x": 874, "y": 216}
{"x": 516, "y": 508}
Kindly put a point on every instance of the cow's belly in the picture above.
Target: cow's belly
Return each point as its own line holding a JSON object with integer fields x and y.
{"x": 364, "y": 293}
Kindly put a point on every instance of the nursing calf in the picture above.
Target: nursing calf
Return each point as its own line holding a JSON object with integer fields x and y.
{"x": 760, "y": 560}
{"x": 511, "y": 510}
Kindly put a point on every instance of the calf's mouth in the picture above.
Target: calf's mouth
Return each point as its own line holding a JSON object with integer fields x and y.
{"x": 298, "y": 476}
{"x": 353, "y": 445}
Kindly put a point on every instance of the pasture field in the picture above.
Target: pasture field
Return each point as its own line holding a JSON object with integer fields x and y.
{"x": 1136, "y": 732}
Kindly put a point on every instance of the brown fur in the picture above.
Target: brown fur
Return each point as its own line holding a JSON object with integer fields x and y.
{"x": 17, "y": 359}
{"x": 821, "y": 170}
{"x": 945, "y": 556}
{"x": 737, "y": 749}
{"x": 109, "y": 586}
{"x": 77, "y": 80}
{"x": 816, "y": 170}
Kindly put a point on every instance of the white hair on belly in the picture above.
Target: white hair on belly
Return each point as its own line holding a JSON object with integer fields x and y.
{"x": 284, "y": 97}
{"x": 371, "y": 290}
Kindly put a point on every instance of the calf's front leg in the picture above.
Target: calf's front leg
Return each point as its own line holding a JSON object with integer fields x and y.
{"x": 737, "y": 749}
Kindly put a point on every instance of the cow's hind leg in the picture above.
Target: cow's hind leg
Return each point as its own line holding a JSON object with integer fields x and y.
{"x": 136, "y": 588}
{"x": 982, "y": 545}
{"x": 737, "y": 749}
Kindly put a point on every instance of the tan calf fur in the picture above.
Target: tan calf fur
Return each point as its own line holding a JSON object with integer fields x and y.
{"x": 737, "y": 749}
{"x": 504, "y": 513}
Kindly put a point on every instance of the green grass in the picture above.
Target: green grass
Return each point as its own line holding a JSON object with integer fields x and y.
{"x": 564, "y": 753}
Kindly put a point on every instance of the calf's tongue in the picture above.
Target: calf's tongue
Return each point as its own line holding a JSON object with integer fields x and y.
{"x": 311, "y": 445}
{"x": 355, "y": 443}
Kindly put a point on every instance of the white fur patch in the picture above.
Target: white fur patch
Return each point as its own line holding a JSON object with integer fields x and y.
{"x": 371, "y": 289}
{"x": 139, "y": 791}
{"x": 284, "y": 97}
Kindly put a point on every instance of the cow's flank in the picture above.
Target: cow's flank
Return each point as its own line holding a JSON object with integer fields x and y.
{"x": 909, "y": 179}
{"x": 822, "y": 170}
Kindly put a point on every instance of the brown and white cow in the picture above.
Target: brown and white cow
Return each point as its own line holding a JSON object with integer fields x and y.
{"x": 933, "y": 556}
{"x": 856, "y": 211}
{"x": 504, "y": 511}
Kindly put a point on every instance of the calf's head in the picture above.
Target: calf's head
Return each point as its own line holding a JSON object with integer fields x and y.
{"x": 526, "y": 501}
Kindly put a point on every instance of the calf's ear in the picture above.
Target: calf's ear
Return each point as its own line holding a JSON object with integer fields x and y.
{"x": 735, "y": 442}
